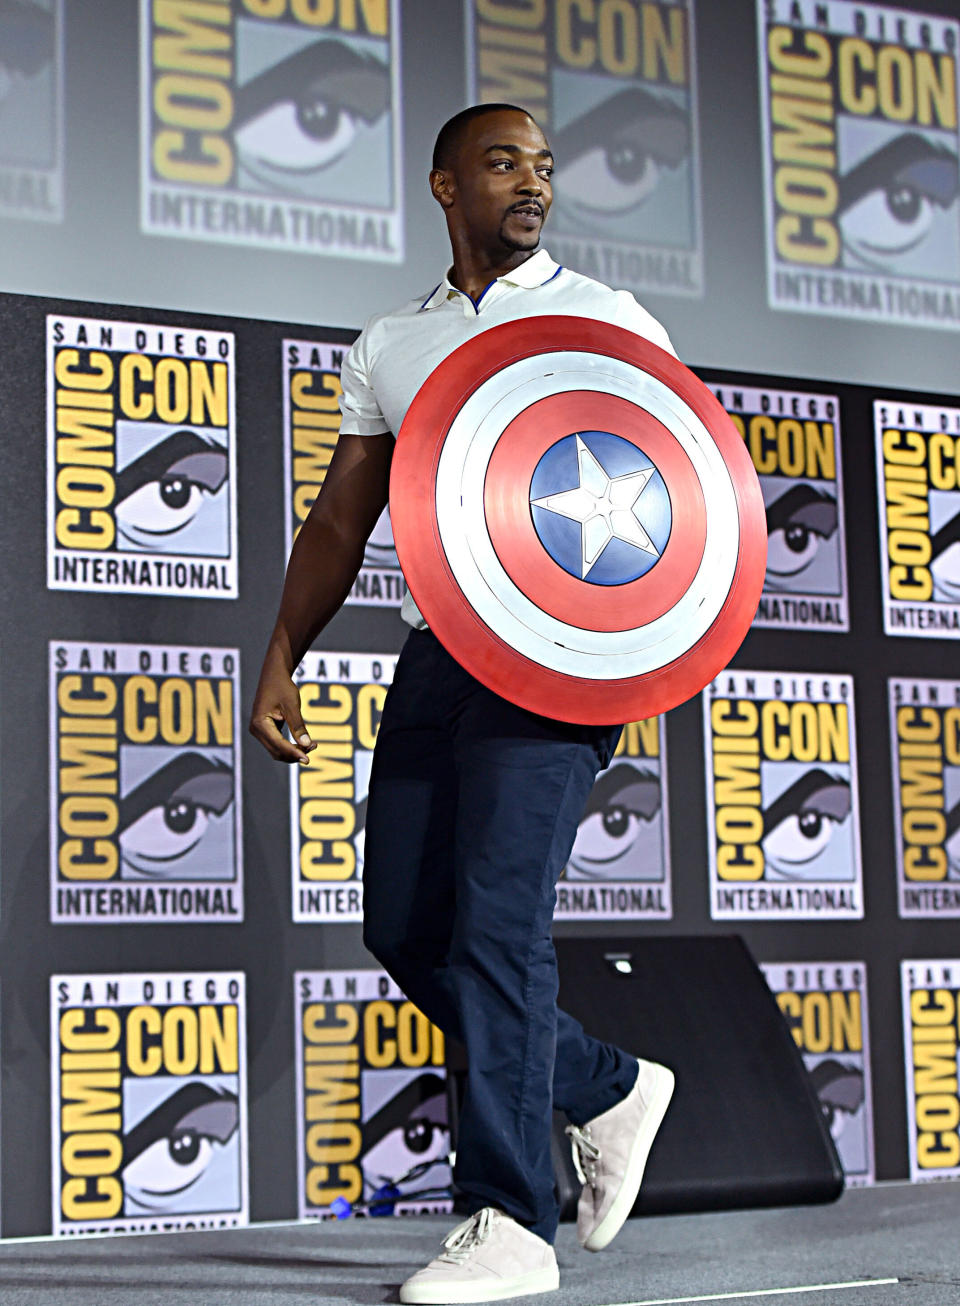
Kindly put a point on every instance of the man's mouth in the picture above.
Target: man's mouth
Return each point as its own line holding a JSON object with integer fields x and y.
{"x": 530, "y": 212}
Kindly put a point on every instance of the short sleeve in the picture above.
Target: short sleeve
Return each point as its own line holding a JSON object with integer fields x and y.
{"x": 635, "y": 318}
{"x": 358, "y": 402}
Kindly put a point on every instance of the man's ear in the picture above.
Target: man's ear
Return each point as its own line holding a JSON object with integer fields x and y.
{"x": 443, "y": 187}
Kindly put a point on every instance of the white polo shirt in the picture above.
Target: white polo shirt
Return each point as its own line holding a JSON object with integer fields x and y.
{"x": 397, "y": 351}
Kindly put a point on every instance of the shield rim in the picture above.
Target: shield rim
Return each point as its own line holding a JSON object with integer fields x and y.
{"x": 445, "y": 608}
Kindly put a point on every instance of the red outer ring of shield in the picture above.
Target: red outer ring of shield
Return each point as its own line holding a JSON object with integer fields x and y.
{"x": 507, "y": 510}
{"x": 451, "y": 618}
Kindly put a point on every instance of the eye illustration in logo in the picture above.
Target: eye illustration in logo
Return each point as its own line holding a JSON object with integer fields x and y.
{"x": 26, "y": 43}
{"x": 952, "y": 843}
{"x": 945, "y": 560}
{"x": 380, "y": 550}
{"x": 841, "y": 1092}
{"x": 161, "y": 493}
{"x": 406, "y": 1146}
{"x": 799, "y": 825}
{"x": 613, "y": 157}
{"x": 619, "y": 836}
{"x": 360, "y": 831}
{"x": 889, "y": 200}
{"x": 165, "y": 817}
{"x": 303, "y": 114}
{"x": 799, "y": 525}
{"x": 175, "y": 1145}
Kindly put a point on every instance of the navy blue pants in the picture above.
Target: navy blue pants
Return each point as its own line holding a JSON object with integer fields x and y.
{"x": 472, "y": 813}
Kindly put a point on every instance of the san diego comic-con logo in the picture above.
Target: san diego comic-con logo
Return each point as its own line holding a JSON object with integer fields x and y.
{"x": 148, "y": 1102}
{"x": 341, "y": 698}
{"x": 145, "y": 821}
{"x": 918, "y": 484}
{"x": 825, "y": 1005}
{"x": 859, "y": 109}
{"x": 794, "y": 442}
{"x": 273, "y": 123}
{"x": 373, "y": 1127}
{"x": 931, "y": 1020}
{"x": 31, "y": 109}
{"x": 141, "y": 458}
{"x": 925, "y": 736}
{"x": 783, "y": 810}
{"x": 311, "y": 419}
{"x": 612, "y": 84}
{"x": 619, "y": 866}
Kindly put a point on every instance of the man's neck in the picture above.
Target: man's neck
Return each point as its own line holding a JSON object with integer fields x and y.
{"x": 473, "y": 271}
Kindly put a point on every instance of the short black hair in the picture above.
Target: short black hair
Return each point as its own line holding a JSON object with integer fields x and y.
{"x": 451, "y": 133}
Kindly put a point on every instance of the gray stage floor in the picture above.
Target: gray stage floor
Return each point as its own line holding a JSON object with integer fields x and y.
{"x": 893, "y": 1232}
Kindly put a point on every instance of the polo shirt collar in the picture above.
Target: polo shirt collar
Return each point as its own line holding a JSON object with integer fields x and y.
{"x": 535, "y": 271}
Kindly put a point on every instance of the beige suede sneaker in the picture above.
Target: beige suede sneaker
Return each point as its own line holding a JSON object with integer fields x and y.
{"x": 487, "y": 1258}
{"x": 610, "y": 1153}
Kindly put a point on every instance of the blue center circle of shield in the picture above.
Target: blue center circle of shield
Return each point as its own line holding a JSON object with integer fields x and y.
{"x": 604, "y": 549}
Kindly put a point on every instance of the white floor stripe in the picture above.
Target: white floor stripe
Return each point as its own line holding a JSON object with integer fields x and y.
{"x": 762, "y": 1292}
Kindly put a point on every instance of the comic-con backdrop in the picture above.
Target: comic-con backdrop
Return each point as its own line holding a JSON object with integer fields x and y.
{"x": 191, "y": 1033}
{"x": 787, "y": 166}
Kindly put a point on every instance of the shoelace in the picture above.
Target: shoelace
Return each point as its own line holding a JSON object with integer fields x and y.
{"x": 463, "y": 1240}
{"x": 585, "y": 1152}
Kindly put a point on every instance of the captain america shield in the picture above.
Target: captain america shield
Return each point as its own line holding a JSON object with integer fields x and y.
{"x": 578, "y": 520}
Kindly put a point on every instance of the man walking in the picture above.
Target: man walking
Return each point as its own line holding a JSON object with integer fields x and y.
{"x": 474, "y": 802}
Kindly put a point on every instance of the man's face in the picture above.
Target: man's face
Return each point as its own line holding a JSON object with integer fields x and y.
{"x": 502, "y": 178}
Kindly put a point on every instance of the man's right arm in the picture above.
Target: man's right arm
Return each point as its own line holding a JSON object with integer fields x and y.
{"x": 324, "y": 562}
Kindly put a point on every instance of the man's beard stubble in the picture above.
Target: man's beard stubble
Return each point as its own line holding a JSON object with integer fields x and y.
{"x": 524, "y": 246}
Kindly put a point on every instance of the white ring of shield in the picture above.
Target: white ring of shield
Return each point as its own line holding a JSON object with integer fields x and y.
{"x": 592, "y": 655}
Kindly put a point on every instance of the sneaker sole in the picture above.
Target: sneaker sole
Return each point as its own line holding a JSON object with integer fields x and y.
{"x": 441, "y": 1294}
{"x": 610, "y": 1225}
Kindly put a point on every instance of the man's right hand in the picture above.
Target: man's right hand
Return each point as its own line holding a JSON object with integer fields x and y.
{"x": 276, "y": 703}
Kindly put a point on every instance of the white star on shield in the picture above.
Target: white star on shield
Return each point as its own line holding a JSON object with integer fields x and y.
{"x": 604, "y": 506}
